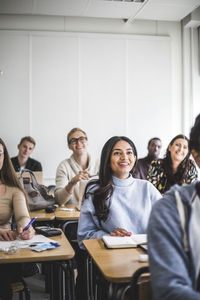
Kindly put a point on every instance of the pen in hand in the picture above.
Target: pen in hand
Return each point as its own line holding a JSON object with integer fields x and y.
{"x": 29, "y": 224}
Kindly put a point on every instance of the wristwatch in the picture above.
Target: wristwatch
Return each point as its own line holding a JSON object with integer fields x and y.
{"x": 71, "y": 183}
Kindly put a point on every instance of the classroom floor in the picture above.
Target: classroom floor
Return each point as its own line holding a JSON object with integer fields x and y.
{"x": 37, "y": 287}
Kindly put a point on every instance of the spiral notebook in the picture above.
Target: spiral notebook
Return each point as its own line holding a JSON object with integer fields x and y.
{"x": 124, "y": 242}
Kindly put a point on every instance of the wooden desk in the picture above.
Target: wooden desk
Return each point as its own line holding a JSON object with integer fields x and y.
{"x": 64, "y": 252}
{"x": 59, "y": 214}
{"x": 59, "y": 258}
{"x": 64, "y": 215}
{"x": 42, "y": 215}
{"x": 116, "y": 265}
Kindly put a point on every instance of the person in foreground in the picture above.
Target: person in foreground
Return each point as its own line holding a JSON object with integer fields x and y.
{"x": 116, "y": 204}
{"x": 173, "y": 237}
{"x": 175, "y": 168}
{"x": 143, "y": 164}
{"x": 12, "y": 203}
{"x": 23, "y": 159}
{"x": 79, "y": 167}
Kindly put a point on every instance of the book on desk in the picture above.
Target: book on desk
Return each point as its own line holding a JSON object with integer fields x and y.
{"x": 115, "y": 242}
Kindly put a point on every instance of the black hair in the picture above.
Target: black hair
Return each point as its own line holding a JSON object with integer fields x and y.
{"x": 194, "y": 143}
{"x": 155, "y": 138}
{"x": 105, "y": 187}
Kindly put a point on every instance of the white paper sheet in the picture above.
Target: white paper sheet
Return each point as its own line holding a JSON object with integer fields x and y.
{"x": 25, "y": 243}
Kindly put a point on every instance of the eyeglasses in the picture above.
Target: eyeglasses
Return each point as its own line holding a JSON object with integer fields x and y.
{"x": 81, "y": 139}
{"x": 1, "y": 154}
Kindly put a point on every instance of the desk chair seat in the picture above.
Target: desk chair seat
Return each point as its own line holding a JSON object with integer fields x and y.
{"x": 21, "y": 288}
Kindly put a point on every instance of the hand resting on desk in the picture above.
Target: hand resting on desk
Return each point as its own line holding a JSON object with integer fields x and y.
{"x": 7, "y": 235}
{"x": 120, "y": 232}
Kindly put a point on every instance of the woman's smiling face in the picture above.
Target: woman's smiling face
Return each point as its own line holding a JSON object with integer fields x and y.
{"x": 122, "y": 159}
{"x": 178, "y": 150}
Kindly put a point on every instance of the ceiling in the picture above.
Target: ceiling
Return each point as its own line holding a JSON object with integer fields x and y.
{"x": 161, "y": 10}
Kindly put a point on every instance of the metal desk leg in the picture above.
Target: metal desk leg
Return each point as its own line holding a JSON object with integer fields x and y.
{"x": 56, "y": 275}
{"x": 69, "y": 286}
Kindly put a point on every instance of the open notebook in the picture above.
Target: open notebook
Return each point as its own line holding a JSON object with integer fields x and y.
{"x": 124, "y": 242}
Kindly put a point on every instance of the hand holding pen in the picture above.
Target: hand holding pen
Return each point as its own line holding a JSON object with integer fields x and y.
{"x": 28, "y": 232}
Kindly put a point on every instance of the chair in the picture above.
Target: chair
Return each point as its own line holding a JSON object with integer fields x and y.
{"x": 21, "y": 288}
{"x": 140, "y": 288}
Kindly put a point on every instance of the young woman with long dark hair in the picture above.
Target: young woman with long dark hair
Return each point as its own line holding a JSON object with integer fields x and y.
{"x": 175, "y": 168}
{"x": 116, "y": 203}
{"x": 12, "y": 203}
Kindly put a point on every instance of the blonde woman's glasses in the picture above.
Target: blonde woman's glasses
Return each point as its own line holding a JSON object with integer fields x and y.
{"x": 81, "y": 139}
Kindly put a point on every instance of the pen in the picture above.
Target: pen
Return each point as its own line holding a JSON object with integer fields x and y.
{"x": 29, "y": 224}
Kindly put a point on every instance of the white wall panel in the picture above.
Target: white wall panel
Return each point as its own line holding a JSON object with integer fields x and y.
{"x": 54, "y": 96}
{"x": 102, "y": 88}
{"x": 14, "y": 88}
{"x": 149, "y": 91}
{"x": 106, "y": 84}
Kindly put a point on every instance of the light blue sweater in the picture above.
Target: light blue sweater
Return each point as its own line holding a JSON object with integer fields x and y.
{"x": 131, "y": 204}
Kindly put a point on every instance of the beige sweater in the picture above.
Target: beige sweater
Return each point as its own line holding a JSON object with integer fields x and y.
{"x": 66, "y": 170}
{"x": 13, "y": 203}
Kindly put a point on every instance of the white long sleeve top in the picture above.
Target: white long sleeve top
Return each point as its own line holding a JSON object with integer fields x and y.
{"x": 66, "y": 170}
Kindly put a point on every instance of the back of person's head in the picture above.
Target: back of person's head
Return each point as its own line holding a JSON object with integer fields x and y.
{"x": 75, "y": 129}
{"x": 105, "y": 172}
{"x": 194, "y": 143}
{"x": 28, "y": 139}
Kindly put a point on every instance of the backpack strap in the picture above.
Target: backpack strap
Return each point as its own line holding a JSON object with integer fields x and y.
{"x": 32, "y": 176}
{"x": 181, "y": 212}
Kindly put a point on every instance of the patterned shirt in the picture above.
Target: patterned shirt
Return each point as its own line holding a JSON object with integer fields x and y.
{"x": 158, "y": 177}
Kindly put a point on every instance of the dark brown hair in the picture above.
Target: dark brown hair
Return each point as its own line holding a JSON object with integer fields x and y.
{"x": 104, "y": 190}
{"x": 194, "y": 143}
{"x": 7, "y": 172}
{"x": 179, "y": 176}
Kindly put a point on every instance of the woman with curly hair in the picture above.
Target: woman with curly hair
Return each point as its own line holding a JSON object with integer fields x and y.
{"x": 175, "y": 168}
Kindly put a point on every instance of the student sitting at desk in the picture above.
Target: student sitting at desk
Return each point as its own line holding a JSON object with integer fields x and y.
{"x": 175, "y": 168}
{"x": 12, "y": 202}
{"x": 116, "y": 203}
{"x": 23, "y": 160}
{"x": 71, "y": 171}
{"x": 173, "y": 237}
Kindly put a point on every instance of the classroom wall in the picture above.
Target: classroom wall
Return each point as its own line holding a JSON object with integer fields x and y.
{"x": 104, "y": 76}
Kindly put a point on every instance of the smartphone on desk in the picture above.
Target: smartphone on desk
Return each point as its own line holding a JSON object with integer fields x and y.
{"x": 47, "y": 231}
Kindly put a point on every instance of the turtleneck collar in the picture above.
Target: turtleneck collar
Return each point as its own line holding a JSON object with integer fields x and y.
{"x": 123, "y": 182}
